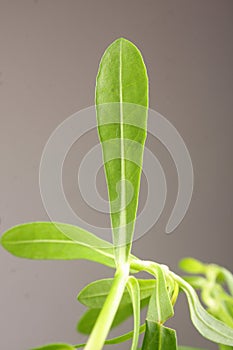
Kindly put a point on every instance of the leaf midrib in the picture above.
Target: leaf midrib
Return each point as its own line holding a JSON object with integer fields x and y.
{"x": 59, "y": 242}
{"x": 123, "y": 213}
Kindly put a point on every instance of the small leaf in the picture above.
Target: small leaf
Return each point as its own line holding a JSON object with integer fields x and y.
{"x": 134, "y": 291}
{"x": 160, "y": 307}
{"x": 158, "y": 337}
{"x": 192, "y": 265}
{"x": 95, "y": 293}
{"x": 47, "y": 240}
{"x": 55, "y": 347}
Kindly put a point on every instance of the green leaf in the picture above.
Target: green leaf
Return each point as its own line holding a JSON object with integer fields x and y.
{"x": 95, "y": 293}
{"x": 206, "y": 324}
{"x": 160, "y": 307}
{"x": 47, "y": 240}
{"x": 121, "y": 100}
{"x": 219, "y": 303}
{"x": 158, "y": 337}
{"x": 134, "y": 291}
{"x": 87, "y": 321}
{"x": 192, "y": 265}
{"x": 55, "y": 347}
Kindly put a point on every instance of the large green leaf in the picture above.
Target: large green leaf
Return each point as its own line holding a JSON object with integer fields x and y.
{"x": 158, "y": 337}
{"x": 47, "y": 240}
{"x": 122, "y": 100}
{"x": 207, "y": 325}
{"x": 95, "y": 293}
{"x": 87, "y": 321}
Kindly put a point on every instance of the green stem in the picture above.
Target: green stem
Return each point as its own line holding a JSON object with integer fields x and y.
{"x": 107, "y": 314}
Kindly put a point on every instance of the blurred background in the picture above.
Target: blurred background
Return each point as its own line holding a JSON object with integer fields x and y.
{"x": 50, "y": 51}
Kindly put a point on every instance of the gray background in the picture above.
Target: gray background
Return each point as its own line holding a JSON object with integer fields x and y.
{"x": 50, "y": 51}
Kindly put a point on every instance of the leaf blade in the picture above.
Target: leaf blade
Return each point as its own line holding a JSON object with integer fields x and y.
{"x": 207, "y": 325}
{"x": 47, "y": 240}
{"x": 121, "y": 79}
{"x": 158, "y": 337}
{"x": 160, "y": 307}
{"x": 94, "y": 294}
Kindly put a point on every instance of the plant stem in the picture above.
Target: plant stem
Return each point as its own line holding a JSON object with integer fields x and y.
{"x": 107, "y": 314}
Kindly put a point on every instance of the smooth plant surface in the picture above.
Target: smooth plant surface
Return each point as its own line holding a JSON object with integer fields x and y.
{"x": 122, "y": 98}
